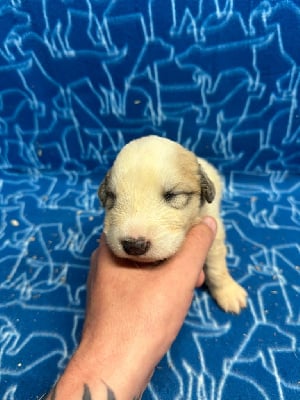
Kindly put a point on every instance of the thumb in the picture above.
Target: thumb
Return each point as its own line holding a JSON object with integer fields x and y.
{"x": 200, "y": 238}
{"x": 195, "y": 248}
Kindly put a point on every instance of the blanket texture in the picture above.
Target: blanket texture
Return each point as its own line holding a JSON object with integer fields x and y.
{"x": 78, "y": 80}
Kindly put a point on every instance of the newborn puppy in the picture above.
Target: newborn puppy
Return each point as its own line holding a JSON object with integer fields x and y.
{"x": 154, "y": 192}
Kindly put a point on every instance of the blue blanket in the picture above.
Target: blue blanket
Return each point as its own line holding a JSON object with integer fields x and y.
{"x": 78, "y": 80}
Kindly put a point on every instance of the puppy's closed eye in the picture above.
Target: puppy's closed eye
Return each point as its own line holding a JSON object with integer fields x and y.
{"x": 177, "y": 200}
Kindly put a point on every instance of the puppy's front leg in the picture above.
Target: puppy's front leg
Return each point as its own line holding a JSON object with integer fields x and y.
{"x": 229, "y": 295}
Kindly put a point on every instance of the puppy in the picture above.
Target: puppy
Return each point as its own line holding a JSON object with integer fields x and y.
{"x": 154, "y": 192}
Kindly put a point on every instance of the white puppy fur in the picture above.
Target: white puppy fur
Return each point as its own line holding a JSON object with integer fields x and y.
{"x": 154, "y": 192}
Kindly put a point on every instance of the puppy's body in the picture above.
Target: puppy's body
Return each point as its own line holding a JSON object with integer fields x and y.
{"x": 155, "y": 191}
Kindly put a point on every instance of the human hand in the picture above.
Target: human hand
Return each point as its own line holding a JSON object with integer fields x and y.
{"x": 134, "y": 313}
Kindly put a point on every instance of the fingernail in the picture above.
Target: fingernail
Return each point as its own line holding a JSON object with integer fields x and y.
{"x": 211, "y": 223}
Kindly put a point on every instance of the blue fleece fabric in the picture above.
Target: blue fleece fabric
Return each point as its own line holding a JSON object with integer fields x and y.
{"x": 78, "y": 80}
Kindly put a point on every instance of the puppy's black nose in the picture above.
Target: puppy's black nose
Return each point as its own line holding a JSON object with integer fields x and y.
{"x": 135, "y": 246}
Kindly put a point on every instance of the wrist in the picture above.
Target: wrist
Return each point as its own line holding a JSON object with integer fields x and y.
{"x": 124, "y": 365}
{"x": 121, "y": 372}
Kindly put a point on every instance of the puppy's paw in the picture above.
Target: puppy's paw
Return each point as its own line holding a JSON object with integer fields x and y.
{"x": 231, "y": 297}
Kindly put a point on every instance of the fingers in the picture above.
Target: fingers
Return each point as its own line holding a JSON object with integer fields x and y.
{"x": 190, "y": 259}
{"x": 201, "y": 279}
{"x": 199, "y": 240}
{"x": 211, "y": 223}
{"x": 206, "y": 244}
{"x": 191, "y": 255}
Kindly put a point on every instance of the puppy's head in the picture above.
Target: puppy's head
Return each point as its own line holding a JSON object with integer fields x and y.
{"x": 152, "y": 196}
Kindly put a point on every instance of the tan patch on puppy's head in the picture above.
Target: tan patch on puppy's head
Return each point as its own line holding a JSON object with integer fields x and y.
{"x": 152, "y": 196}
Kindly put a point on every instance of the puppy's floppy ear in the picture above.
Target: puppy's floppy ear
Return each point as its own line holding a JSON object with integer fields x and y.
{"x": 208, "y": 191}
{"x": 104, "y": 189}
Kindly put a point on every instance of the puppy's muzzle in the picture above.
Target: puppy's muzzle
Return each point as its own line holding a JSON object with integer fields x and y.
{"x": 135, "y": 246}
